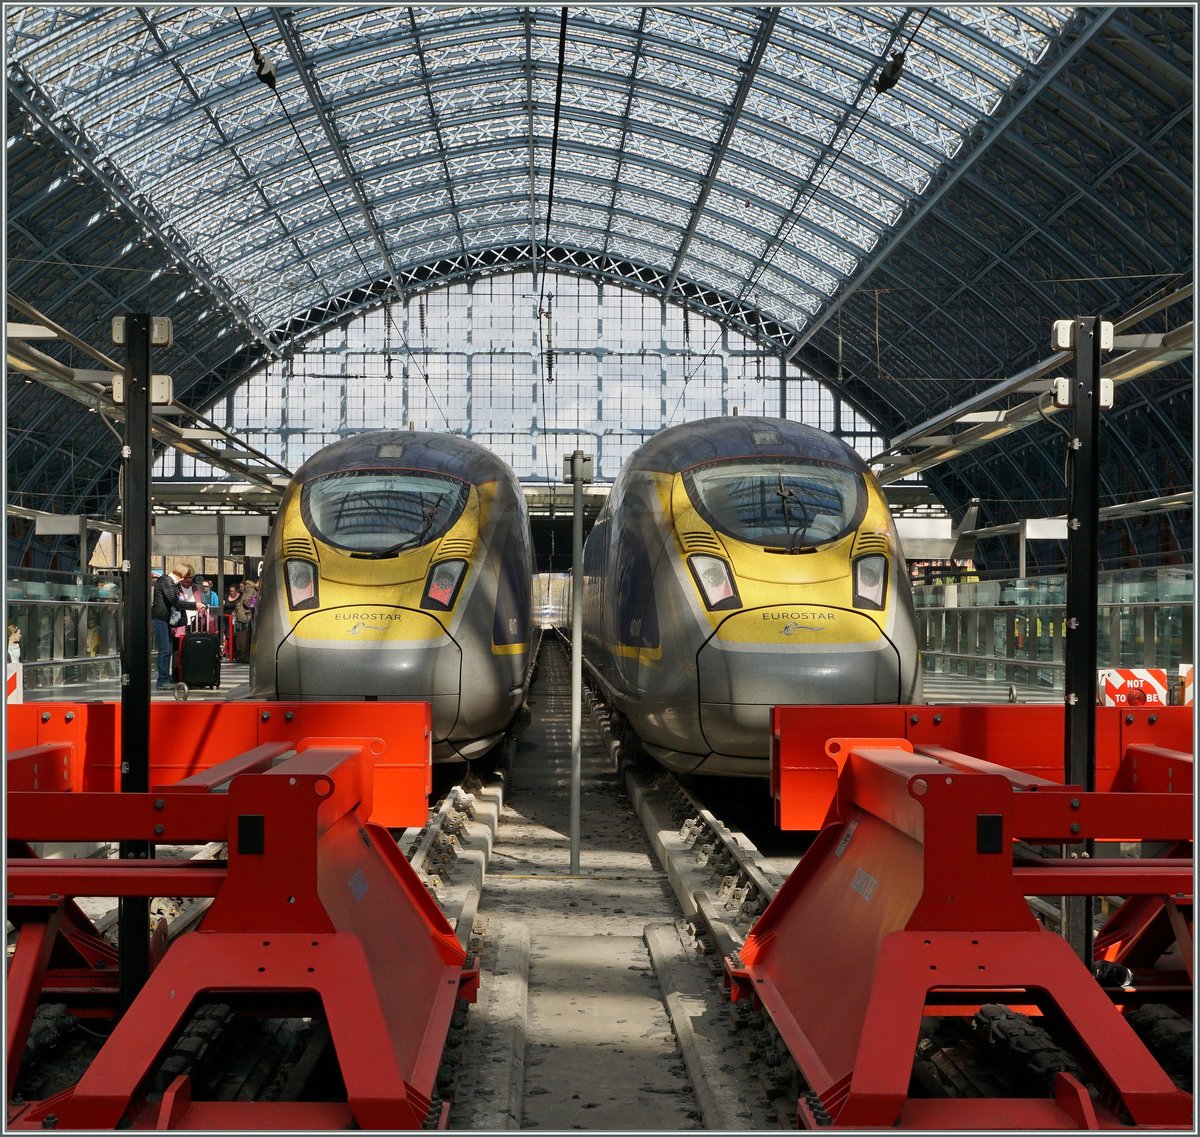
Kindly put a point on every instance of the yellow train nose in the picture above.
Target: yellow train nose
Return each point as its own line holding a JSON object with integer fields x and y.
{"x": 411, "y": 657}
{"x": 789, "y": 654}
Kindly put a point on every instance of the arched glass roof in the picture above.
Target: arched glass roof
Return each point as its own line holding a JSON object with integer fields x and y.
{"x": 908, "y": 245}
{"x": 697, "y": 140}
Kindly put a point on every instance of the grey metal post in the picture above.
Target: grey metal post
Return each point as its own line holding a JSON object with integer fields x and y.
{"x": 83, "y": 554}
{"x": 1083, "y": 508}
{"x": 576, "y": 650}
{"x": 133, "y": 913}
{"x": 221, "y": 573}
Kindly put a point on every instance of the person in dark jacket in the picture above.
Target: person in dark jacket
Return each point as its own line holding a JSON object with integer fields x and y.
{"x": 168, "y": 602}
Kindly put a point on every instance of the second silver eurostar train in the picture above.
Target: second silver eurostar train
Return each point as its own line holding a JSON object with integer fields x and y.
{"x": 399, "y": 567}
{"x": 741, "y": 563}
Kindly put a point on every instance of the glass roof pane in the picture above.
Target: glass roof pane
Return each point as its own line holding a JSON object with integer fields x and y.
{"x": 643, "y": 205}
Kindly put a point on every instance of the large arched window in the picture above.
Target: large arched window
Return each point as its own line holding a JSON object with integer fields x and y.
{"x": 607, "y": 368}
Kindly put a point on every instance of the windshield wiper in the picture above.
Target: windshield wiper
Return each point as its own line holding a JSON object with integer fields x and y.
{"x": 786, "y": 494}
{"x": 429, "y": 513}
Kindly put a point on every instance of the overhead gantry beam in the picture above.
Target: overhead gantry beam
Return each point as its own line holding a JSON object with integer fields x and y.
{"x": 92, "y": 388}
{"x": 933, "y": 445}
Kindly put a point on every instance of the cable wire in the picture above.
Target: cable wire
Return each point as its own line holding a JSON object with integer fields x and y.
{"x": 266, "y": 73}
{"x": 539, "y": 274}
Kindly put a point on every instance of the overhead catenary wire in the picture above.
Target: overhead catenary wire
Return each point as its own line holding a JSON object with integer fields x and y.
{"x": 889, "y": 75}
{"x": 264, "y": 70}
{"x": 546, "y": 357}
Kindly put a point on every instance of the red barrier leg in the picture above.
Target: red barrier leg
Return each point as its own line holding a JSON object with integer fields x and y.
{"x": 26, "y": 971}
{"x": 911, "y": 904}
{"x": 216, "y": 967}
{"x": 914, "y": 965}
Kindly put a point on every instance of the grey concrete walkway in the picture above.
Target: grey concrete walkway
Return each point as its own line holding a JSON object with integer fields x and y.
{"x": 599, "y": 1052}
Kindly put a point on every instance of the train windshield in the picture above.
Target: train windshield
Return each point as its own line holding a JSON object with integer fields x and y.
{"x": 781, "y": 504}
{"x": 379, "y": 513}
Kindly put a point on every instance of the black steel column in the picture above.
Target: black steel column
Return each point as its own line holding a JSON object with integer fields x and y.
{"x": 782, "y": 386}
{"x": 133, "y": 913}
{"x": 1083, "y": 551}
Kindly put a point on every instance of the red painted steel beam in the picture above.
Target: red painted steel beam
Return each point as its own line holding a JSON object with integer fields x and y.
{"x": 1155, "y": 768}
{"x": 953, "y": 760}
{"x": 252, "y": 762}
{"x": 187, "y": 739}
{"x": 43, "y": 767}
{"x": 181, "y": 819}
{"x": 1129, "y": 876}
{"x": 1025, "y": 738}
{"x": 34, "y": 881}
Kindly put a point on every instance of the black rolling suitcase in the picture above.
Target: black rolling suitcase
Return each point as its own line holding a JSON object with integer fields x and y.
{"x": 200, "y": 659}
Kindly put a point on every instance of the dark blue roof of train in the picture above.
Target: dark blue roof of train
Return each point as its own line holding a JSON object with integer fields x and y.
{"x": 714, "y": 439}
{"x": 408, "y": 450}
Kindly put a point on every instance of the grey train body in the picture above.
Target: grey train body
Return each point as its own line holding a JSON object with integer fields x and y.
{"x": 696, "y": 673}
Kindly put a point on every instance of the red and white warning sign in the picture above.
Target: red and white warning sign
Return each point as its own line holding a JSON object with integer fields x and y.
{"x": 1134, "y": 687}
{"x": 1186, "y": 673}
{"x": 14, "y": 689}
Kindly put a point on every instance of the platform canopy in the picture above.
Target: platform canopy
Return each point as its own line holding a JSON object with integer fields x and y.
{"x": 901, "y": 200}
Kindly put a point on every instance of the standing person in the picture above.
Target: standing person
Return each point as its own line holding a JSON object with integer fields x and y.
{"x": 248, "y": 600}
{"x": 243, "y": 615}
{"x": 169, "y": 600}
{"x": 229, "y": 621}
{"x": 207, "y": 595}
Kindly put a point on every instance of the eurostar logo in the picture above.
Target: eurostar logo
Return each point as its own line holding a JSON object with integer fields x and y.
{"x": 363, "y": 628}
{"x": 792, "y": 629}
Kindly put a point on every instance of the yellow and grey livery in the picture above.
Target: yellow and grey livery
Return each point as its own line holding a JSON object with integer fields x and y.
{"x": 399, "y": 567}
{"x": 742, "y": 563}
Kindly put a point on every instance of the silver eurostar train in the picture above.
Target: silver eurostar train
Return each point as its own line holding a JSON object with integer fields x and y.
{"x": 399, "y": 567}
{"x": 741, "y": 563}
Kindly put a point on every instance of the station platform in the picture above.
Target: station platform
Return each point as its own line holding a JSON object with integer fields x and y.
{"x": 235, "y": 684}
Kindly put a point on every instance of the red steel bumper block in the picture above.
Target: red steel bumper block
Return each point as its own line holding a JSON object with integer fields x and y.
{"x": 911, "y": 903}
{"x": 314, "y": 912}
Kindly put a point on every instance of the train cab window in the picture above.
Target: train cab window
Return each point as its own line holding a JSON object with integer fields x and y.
{"x": 379, "y": 513}
{"x": 789, "y": 505}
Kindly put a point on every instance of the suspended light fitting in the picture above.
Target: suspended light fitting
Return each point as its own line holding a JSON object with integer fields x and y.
{"x": 889, "y": 76}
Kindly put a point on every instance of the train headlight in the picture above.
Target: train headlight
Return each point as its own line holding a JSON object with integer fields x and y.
{"x": 870, "y": 582}
{"x": 715, "y": 581}
{"x": 301, "y": 580}
{"x": 442, "y": 585}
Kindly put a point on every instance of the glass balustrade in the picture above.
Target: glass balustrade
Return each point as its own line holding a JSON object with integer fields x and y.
{"x": 1013, "y": 631}
{"x": 70, "y": 627}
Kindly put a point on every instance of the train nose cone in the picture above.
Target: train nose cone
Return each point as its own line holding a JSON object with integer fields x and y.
{"x": 366, "y": 650}
{"x": 790, "y": 654}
